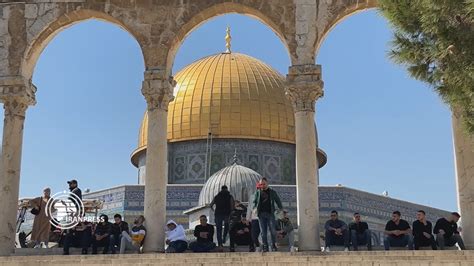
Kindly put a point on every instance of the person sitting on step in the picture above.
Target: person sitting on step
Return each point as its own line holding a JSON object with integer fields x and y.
{"x": 101, "y": 237}
{"x": 80, "y": 237}
{"x": 398, "y": 233}
{"x": 285, "y": 231}
{"x": 447, "y": 232}
{"x": 337, "y": 233}
{"x": 116, "y": 230}
{"x": 360, "y": 233}
{"x": 423, "y": 232}
{"x": 175, "y": 238}
{"x": 134, "y": 240}
{"x": 240, "y": 234}
{"x": 204, "y": 234}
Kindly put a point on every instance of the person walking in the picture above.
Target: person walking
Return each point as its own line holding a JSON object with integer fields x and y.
{"x": 224, "y": 205}
{"x": 264, "y": 202}
{"x": 41, "y": 224}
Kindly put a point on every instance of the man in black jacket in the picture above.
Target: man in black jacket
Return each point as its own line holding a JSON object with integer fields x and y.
{"x": 101, "y": 235}
{"x": 224, "y": 205}
{"x": 447, "y": 234}
{"x": 204, "y": 234}
{"x": 116, "y": 230}
{"x": 360, "y": 233}
{"x": 237, "y": 213}
{"x": 240, "y": 234}
{"x": 422, "y": 232}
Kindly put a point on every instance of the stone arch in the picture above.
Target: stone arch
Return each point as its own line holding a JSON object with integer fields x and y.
{"x": 219, "y": 10}
{"x": 342, "y": 12}
{"x": 36, "y": 46}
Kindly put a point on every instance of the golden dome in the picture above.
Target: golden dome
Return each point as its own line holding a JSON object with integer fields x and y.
{"x": 231, "y": 95}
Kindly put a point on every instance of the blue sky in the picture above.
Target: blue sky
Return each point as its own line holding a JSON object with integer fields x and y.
{"x": 381, "y": 129}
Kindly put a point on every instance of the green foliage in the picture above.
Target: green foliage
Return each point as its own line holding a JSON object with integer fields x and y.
{"x": 434, "y": 39}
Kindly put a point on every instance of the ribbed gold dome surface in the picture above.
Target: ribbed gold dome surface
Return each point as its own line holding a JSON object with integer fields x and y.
{"x": 231, "y": 95}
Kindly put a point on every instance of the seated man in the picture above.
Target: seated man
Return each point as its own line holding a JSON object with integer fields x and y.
{"x": 236, "y": 214}
{"x": 175, "y": 238}
{"x": 116, "y": 230}
{"x": 80, "y": 237}
{"x": 240, "y": 234}
{"x": 204, "y": 234}
{"x": 398, "y": 233}
{"x": 284, "y": 232}
{"x": 336, "y": 233}
{"x": 134, "y": 240}
{"x": 422, "y": 232}
{"x": 101, "y": 235}
{"x": 360, "y": 233}
{"x": 447, "y": 234}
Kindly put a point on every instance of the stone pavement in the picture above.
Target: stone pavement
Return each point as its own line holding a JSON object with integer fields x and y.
{"x": 361, "y": 258}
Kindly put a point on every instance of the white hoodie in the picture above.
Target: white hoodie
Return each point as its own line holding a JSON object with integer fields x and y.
{"x": 175, "y": 234}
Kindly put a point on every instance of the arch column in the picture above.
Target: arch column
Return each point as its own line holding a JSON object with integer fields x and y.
{"x": 158, "y": 91}
{"x": 303, "y": 88}
{"x": 16, "y": 95}
{"x": 464, "y": 160}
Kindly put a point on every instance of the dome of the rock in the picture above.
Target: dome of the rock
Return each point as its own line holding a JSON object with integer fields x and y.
{"x": 224, "y": 103}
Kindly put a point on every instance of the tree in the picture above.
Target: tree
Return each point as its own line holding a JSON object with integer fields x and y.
{"x": 434, "y": 39}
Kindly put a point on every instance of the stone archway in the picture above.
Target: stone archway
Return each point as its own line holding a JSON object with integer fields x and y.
{"x": 338, "y": 13}
{"x": 261, "y": 13}
{"x": 463, "y": 144}
{"x": 49, "y": 31}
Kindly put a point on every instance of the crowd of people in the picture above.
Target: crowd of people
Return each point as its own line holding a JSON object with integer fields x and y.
{"x": 398, "y": 233}
{"x": 245, "y": 227}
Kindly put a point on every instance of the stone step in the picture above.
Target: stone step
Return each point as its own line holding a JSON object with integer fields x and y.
{"x": 394, "y": 258}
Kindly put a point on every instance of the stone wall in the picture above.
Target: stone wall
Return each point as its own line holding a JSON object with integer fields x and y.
{"x": 160, "y": 26}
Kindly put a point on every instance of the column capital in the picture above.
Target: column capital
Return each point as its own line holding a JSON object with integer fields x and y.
{"x": 16, "y": 94}
{"x": 304, "y": 86}
{"x": 157, "y": 88}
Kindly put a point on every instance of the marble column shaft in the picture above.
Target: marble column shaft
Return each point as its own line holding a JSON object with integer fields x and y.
{"x": 464, "y": 160}
{"x": 158, "y": 92}
{"x": 303, "y": 88}
{"x": 16, "y": 97}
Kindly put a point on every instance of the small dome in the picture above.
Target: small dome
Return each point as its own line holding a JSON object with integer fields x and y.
{"x": 240, "y": 180}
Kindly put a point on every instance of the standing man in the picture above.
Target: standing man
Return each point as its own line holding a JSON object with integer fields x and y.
{"x": 224, "y": 205}
{"x": 422, "y": 232}
{"x": 360, "y": 233}
{"x": 264, "y": 201}
{"x": 398, "y": 233}
{"x": 447, "y": 234}
{"x": 41, "y": 225}
{"x": 336, "y": 232}
{"x": 73, "y": 188}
